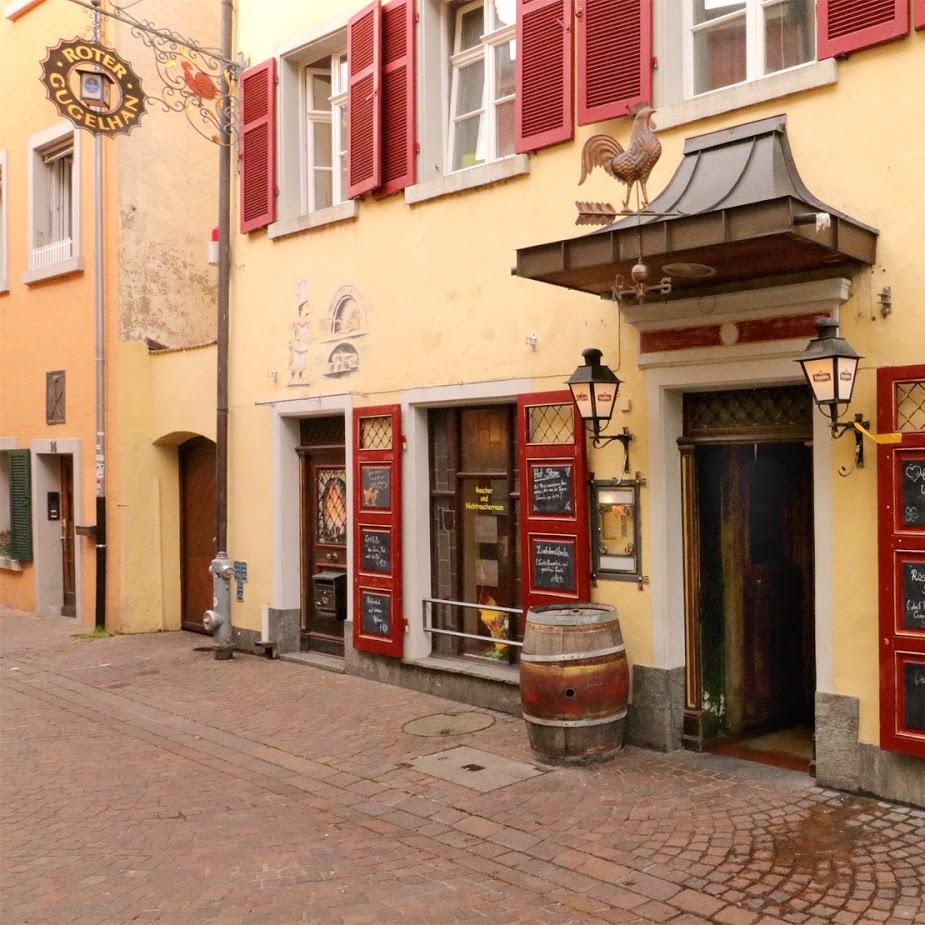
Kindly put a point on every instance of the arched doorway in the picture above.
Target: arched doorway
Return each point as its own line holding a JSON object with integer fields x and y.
{"x": 197, "y": 529}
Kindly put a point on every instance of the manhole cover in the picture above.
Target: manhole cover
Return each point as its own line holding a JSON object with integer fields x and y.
{"x": 447, "y": 724}
{"x": 474, "y": 768}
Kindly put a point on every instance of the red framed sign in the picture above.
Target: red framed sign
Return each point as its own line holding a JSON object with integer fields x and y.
{"x": 553, "y": 499}
{"x": 378, "y": 620}
{"x": 901, "y": 487}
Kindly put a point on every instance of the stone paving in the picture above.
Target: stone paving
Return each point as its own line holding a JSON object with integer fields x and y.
{"x": 144, "y": 781}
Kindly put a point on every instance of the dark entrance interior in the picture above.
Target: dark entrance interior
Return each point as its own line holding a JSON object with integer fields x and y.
{"x": 323, "y": 534}
{"x": 474, "y": 500}
{"x": 197, "y": 529}
{"x": 751, "y": 565}
{"x": 68, "y": 570}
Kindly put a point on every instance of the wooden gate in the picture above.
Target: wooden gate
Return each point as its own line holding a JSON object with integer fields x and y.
{"x": 197, "y": 529}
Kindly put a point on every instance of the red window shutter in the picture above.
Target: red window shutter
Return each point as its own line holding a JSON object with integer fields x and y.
{"x": 364, "y": 101}
{"x": 258, "y": 146}
{"x": 378, "y": 619}
{"x": 614, "y": 57}
{"x": 398, "y": 97}
{"x": 920, "y": 14}
{"x": 847, "y": 25}
{"x": 901, "y": 513}
{"x": 543, "y": 98}
{"x": 554, "y": 536}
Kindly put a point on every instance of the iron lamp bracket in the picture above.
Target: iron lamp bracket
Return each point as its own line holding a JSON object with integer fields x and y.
{"x": 598, "y": 441}
{"x": 839, "y": 429}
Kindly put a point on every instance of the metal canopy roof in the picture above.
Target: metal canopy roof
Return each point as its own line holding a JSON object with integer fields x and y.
{"x": 736, "y": 204}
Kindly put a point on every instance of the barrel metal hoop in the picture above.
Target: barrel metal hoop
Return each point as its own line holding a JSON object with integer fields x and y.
{"x": 574, "y": 656}
{"x": 569, "y": 723}
{"x": 570, "y": 618}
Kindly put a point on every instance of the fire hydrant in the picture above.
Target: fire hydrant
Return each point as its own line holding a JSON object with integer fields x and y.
{"x": 217, "y": 621}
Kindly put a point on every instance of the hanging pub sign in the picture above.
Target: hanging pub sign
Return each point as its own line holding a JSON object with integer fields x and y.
{"x": 92, "y": 87}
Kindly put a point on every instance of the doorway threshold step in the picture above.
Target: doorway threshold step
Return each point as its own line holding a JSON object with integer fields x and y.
{"x": 315, "y": 660}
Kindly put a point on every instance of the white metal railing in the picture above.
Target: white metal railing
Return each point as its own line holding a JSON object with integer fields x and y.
{"x": 427, "y": 605}
{"x": 47, "y": 255}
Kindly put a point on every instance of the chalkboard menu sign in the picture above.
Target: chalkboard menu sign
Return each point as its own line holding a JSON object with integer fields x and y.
{"x": 914, "y": 696}
{"x": 553, "y": 565}
{"x": 913, "y": 493}
{"x": 377, "y": 613}
{"x": 377, "y": 487}
{"x": 913, "y": 597}
{"x": 551, "y": 489}
{"x": 376, "y": 551}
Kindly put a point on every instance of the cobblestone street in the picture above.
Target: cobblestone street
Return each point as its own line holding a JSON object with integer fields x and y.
{"x": 144, "y": 781}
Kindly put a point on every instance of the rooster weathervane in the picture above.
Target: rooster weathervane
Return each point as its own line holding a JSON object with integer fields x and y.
{"x": 631, "y": 166}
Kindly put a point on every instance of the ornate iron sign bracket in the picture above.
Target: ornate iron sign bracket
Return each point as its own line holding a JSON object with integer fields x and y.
{"x": 192, "y": 76}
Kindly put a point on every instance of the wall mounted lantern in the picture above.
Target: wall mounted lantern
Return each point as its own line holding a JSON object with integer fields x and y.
{"x": 594, "y": 388}
{"x": 830, "y": 365}
{"x": 95, "y": 87}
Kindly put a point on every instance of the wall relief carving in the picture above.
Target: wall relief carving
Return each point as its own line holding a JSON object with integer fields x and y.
{"x": 326, "y": 342}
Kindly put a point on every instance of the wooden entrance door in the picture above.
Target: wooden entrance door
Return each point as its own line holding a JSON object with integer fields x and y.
{"x": 756, "y": 614}
{"x": 323, "y": 547}
{"x": 197, "y": 529}
{"x": 68, "y": 572}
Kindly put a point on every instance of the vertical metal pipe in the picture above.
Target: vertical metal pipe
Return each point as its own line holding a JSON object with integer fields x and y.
{"x": 100, "y": 363}
{"x": 220, "y": 568}
{"x": 224, "y": 271}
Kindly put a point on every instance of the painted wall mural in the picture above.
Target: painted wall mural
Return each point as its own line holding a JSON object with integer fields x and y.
{"x": 326, "y": 344}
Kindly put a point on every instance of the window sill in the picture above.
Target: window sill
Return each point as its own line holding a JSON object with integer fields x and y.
{"x": 64, "y": 268}
{"x": 10, "y": 565}
{"x": 467, "y": 179}
{"x": 19, "y": 7}
{"x": 504, "y": 674}
{"x": 807, "y": 77}
{"x": 342, "y": 212}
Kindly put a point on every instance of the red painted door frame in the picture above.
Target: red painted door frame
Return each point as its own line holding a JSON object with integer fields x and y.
{"x": 378, "y": 617}
{"x": 901, "y": 549}
{"x": 560, "y": 535}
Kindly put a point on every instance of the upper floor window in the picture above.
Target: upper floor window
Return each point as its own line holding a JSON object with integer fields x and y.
{"x": 52, "y": 203}
{"x": 731, "y": 41}
{"x": 325, "y": 174}
{"x": 483, "y": 57}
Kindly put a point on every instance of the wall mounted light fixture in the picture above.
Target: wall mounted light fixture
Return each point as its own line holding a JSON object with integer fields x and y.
{"x": 594, "y": 388}
{"x": 830, "y": 365}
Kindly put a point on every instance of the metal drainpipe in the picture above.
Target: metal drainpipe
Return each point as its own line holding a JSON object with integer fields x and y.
{"x": 100, "y": 363}
{"x": 218, "y": 619}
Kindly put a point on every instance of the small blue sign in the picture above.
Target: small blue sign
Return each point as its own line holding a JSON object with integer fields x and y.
{"x": 240, "y": 571}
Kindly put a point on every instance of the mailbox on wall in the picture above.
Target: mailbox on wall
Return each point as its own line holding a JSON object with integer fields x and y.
{"x": 329, "y": 594}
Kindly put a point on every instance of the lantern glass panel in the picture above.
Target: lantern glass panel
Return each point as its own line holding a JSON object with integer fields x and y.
{"x": 847, "y": 369}
{"x": 605, "y": 395}
{"x": 581, "y": 392}
{"x": 819, "y": 374}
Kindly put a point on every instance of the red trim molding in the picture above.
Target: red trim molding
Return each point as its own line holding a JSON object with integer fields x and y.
{"x": 740, "y": 332}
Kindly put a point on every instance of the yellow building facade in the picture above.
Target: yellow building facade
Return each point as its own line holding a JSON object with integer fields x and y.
{"x": 408, "y": 475}
{"x": 158, "y": 207}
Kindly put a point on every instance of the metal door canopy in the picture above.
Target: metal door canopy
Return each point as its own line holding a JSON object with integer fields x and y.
{"x": 736, "y": 203}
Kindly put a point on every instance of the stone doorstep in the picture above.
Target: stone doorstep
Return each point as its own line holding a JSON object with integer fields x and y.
{"x": 315, "y": 660}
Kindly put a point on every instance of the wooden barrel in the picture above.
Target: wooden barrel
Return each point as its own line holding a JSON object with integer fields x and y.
{"x": 574, "y": 682}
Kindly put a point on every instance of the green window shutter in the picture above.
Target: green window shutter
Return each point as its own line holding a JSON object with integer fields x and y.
{"x": 20, "y": 506}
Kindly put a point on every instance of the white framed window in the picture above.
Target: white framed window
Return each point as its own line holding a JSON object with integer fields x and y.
{"x": 483, "y": 49}
{"x": 728, "y": 42}
{"x": 54, "y": 203}
{"x": 4, "y": 225}
{"x": 325, "y": 151}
